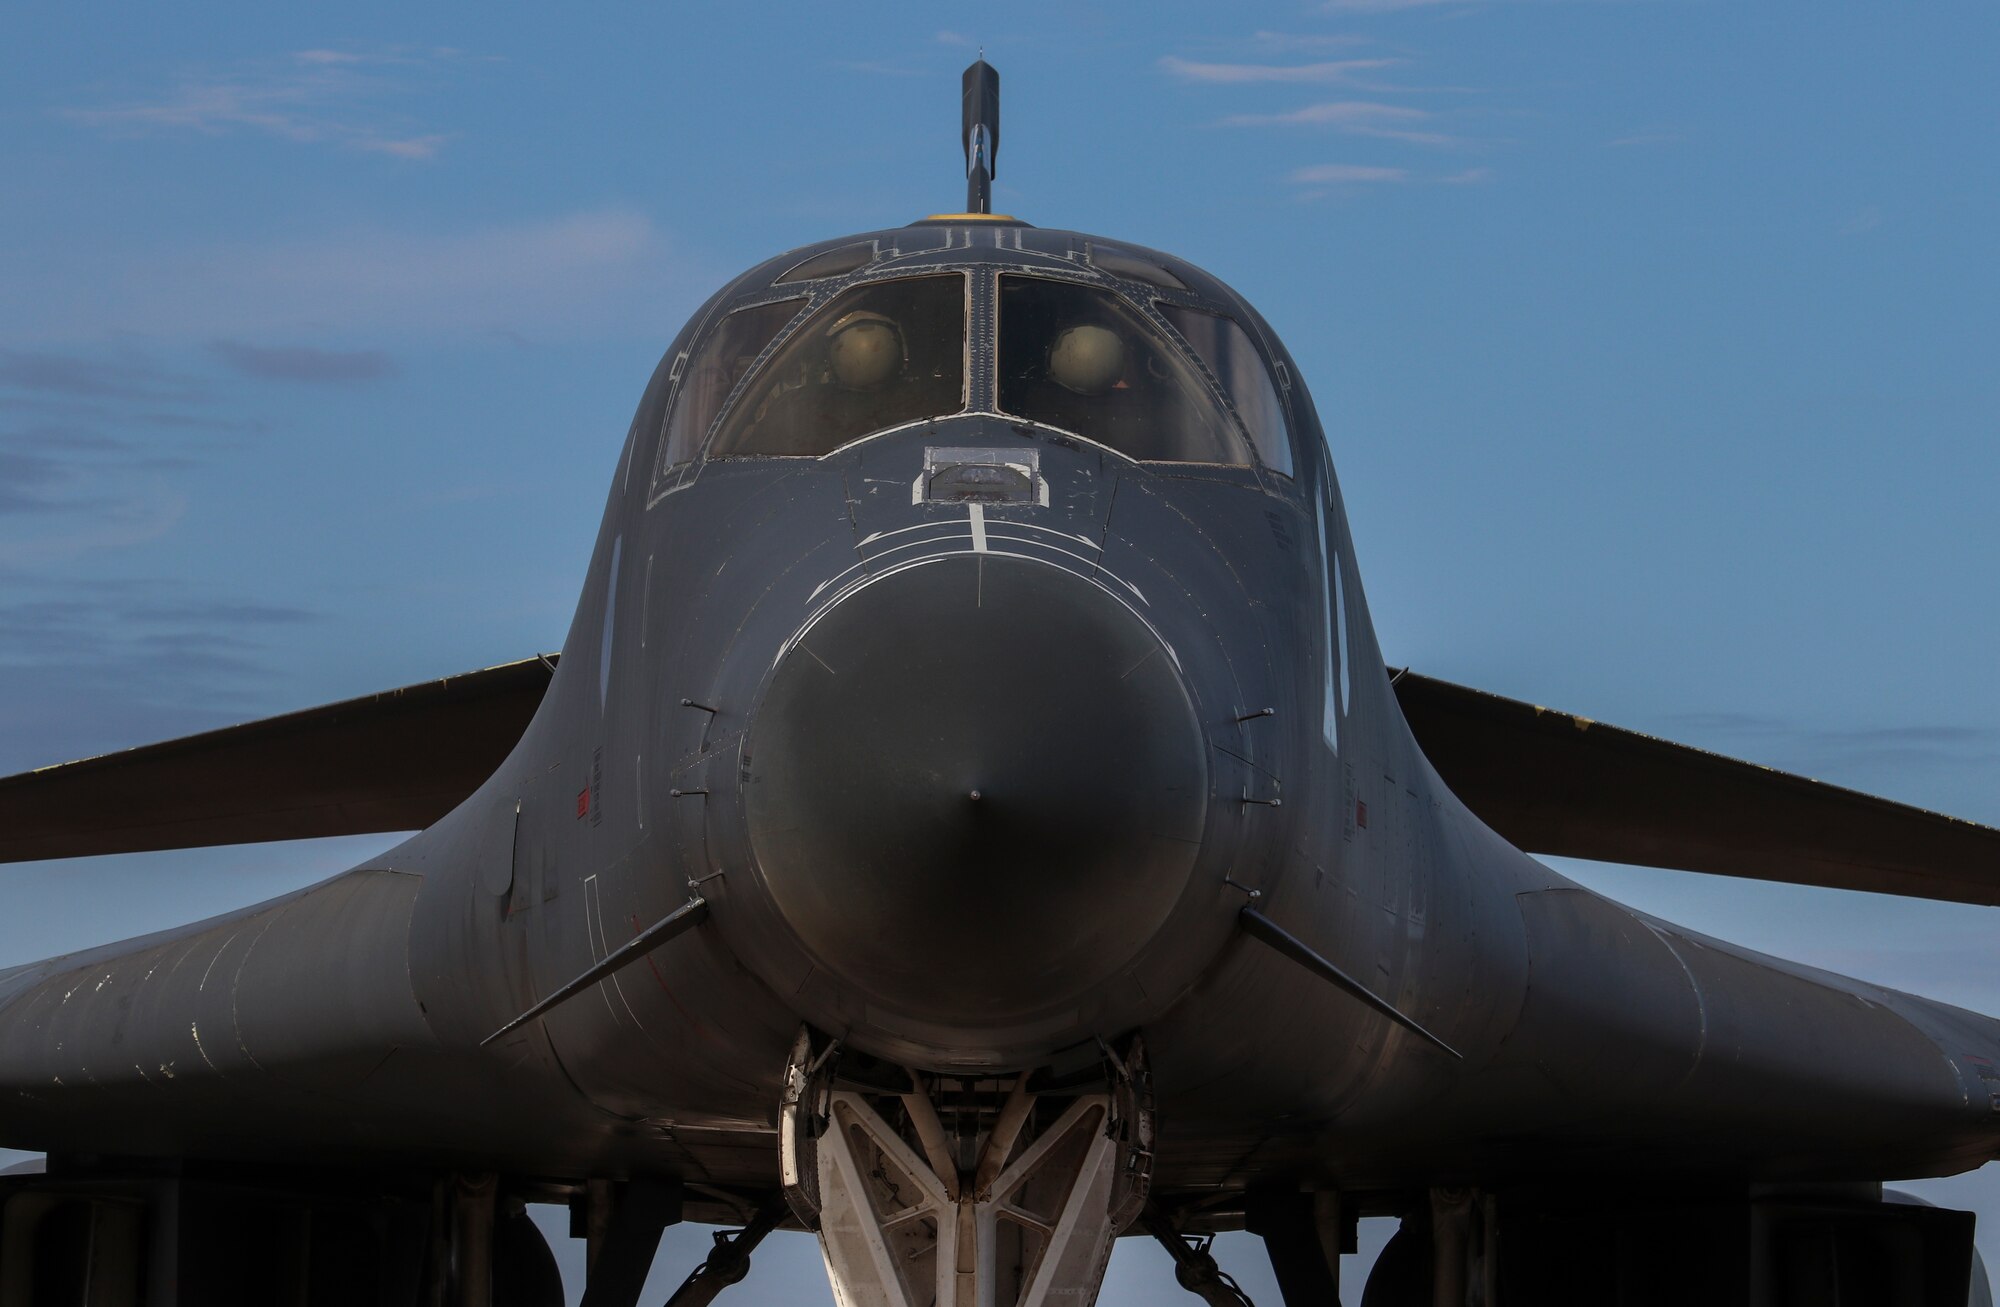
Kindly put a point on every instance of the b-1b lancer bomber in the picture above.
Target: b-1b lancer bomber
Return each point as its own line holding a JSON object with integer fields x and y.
{"x": 969, "y": 819}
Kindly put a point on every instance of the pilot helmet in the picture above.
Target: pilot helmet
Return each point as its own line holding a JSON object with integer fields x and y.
{"x": 864, "y": 350}
{"x": 1087, "y": 358}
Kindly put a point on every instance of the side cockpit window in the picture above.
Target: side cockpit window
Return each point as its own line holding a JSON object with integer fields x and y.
{"x": 1245, "y": 378}
{"x": 711, "y": 373}
{"x": 1082, "y": 359}
{"x": 876, "y": 356}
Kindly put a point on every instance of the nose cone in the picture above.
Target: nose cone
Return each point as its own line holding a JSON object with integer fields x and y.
{"x": 976, "y": 788}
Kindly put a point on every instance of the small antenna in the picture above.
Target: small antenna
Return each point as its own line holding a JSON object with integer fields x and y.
{"x": 980, "y": 132}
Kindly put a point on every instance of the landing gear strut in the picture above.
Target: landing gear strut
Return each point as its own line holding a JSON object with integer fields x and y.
{"x": 729, "y": 1261}
{"x": 965, "y": 1191}
{"x": 1195, "y": 1268}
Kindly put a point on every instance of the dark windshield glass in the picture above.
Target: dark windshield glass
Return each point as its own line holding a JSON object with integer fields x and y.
{"x": 1244, "y": 376}
{"x": 830, "y": 264}
{"x": 1084, "y": 360}
{"x": 718, "y": 364}
{"x": 877, "y": 356}
{"x": 1120, "y": 264}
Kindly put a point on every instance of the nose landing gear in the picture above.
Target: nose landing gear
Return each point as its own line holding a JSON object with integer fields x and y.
{"x": 965, "y": 1191}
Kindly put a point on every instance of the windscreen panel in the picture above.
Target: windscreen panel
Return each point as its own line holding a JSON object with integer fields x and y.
{"x": 1245, "y": 376}
{"x": 1083, "y": 360}
{"x": 1120, "y": 264}
{"x": 832, "y": 263}
{"x": 716, "y": 366}
{"x": 874, "y": 357}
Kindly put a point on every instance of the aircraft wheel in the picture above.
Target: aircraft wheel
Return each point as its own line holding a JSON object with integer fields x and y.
{"x": 1402, "y": 1274}
{"x": 524, "y": 1269}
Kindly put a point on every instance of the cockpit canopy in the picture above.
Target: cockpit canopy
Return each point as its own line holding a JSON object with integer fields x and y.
{"x": 1113, "y": 362}
{"x": 879, "y": 355}
{"x": 1085, "y": 360}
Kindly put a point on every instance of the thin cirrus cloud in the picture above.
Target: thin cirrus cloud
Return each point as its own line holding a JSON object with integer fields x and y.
{"x": 1356, "y": 174}
{"x": 120, "y": 512}
{"x": 1333, "y": 70}
{"x": 1270, "y": 41}
{"x": 123, "y": 375}
{"x": 303, "y": 362}
{"x": 103, "y": 664}
{"x": 1638, "y": 139}
{"x": 1347, "y": 174}
{"x": 1338, "y": 113}
{"x": 312, "y": 97}
{"x": 1361, "y": 7}
{"x": 595, "y": 272}
{"x": 1355, "y": 118}
{"x": 1383, "y": 6}
{"x": 559, "y": 271}
{"x": 28, "y": 480}
{"x": 92, "y": 446}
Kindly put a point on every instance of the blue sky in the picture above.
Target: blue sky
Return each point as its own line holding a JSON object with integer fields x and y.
{"x": 1655, "y": 342}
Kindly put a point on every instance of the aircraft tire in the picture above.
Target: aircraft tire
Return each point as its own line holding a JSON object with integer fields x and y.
{"x": 1402, "y": 1274}
{"x": 524, "y": 1269}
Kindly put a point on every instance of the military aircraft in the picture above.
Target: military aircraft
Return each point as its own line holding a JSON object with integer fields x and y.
{"x": 970, "y": 818}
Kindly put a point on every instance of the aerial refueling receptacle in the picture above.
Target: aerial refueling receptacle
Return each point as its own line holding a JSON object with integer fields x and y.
{"x": 980, "y": 130}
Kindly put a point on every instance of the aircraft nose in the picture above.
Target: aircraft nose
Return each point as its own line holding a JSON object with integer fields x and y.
{"x": 976, "y": 789}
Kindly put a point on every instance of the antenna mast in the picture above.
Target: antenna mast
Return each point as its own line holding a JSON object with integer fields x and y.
{"x": 980, "y": 132}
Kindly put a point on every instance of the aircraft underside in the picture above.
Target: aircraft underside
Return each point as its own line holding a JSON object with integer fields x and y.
{"x": 1004, "y": 1191}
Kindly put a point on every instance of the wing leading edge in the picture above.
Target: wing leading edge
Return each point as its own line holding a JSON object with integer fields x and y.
{"x": 392, "y": 761}
{"x": 1554, "y": 783}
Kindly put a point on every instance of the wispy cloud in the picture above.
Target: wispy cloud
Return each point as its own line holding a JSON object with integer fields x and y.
{"x": 407, "y": 147}
{"x": 1336, "y": 70}
{"x": 122, "y": 375}
{"x": 1337, "y": 113}
{"x": 60, "y": 485}
{"x": 486, "y": 277}
{"x": 1640, "y": 139}
{"x": 28, "y": 482}
{"x": 1382, "y": 6}
{"x": 216, "y": 612}
{"x": 1354, "y": 118}
{"x": 109, "y": 663}
{"x": 959, "y": 39}
{"x": 596, "y": 271}
{"x": 93, "y": 445}
{"x": 315, "y": 97}
{"x": 303, "y": 363}
{"x": 347, "y": 58}
{"x": 1361, "y": 7}
{"x": 1373, "y": 110}
{"x": 1347, "y": 174}
{"x": 1355, "y": 174}
{"x": 1853, "y": 753}
{"x": 116, "y": 513}
{"x": 1299, "y": 42}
